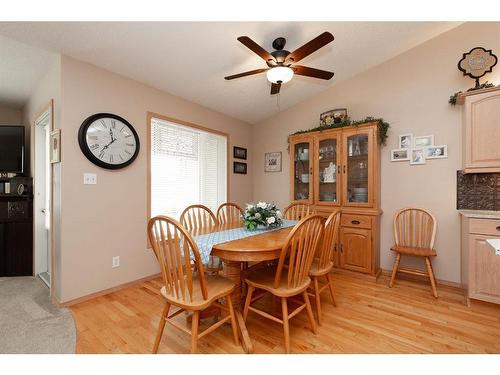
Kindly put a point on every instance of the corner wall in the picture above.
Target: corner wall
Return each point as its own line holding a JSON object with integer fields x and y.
{"x": 411, "y": 92}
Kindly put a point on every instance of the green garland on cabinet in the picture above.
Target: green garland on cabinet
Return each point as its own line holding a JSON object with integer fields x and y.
{"x": 453, "y": 98}
{"x": 383, "y": 127}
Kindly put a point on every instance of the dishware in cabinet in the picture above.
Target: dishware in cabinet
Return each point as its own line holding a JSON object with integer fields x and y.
{"x": 326, "y": 169}
{"x": 302, "y": 169}
{"x": 359, "y": 147}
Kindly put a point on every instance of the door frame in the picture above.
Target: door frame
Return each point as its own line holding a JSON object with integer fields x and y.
{"x": 50, "y": 109}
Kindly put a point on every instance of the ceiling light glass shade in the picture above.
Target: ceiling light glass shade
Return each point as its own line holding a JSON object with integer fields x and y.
{"x": 279, "y": 74}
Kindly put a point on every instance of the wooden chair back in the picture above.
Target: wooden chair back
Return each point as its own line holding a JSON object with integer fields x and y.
{"x": 176, "y": 252}
{"x": 197, "y": 218}
{"x": 414, "y": 227}
{"x": 228, "y": 213}
{"x": 300, "y": 248}
{"x": 330, "y": 237}
{"x": 297, "y": 211}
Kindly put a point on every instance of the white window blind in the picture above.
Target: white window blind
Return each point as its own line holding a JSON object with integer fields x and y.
{"x": 188, "y": 166}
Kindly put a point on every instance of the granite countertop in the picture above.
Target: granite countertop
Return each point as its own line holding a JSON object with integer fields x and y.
{"x": 480, "y": 214}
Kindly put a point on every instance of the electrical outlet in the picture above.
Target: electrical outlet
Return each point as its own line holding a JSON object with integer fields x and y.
{"x": 115, "y": 262}
{"x": 89, "y": 179}
{"x": 497, "y": 251}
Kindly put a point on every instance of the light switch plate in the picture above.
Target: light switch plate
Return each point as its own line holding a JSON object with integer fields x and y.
{"x": 89, "y": 179}
{"x": 115, "y": 262}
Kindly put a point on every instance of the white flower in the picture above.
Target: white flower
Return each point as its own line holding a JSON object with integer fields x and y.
{"x": 262, "y": 205}
{"x": 257, "y": 215}
{"x": 249, "y": 206}
{"x": 271, "y": 220}
{"x": 278, "y": 214}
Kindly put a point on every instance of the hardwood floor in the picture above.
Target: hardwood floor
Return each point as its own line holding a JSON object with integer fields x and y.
{"x": 369, "y": 318}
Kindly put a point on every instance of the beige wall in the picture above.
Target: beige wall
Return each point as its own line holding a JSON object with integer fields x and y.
{"x": 108, "y": 219}
{"x": 10, "y": 116}
{"x": 411, "y": 92}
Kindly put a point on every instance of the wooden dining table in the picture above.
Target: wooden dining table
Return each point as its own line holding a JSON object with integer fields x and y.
{"x": 261, "y": 247}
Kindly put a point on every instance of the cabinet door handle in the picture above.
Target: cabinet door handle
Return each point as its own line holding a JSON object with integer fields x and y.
{"x": 498, "y": 228}
{"x": 341, "y": 248}
{"x": 344, "y": 168}
{"x": 355, "y": 222}
{"x": 335, "y": 247}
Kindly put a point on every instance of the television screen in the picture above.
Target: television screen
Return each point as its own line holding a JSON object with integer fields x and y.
{"x": 12, "y": 149}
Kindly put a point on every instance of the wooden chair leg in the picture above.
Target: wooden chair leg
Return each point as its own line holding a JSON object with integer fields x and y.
{"x": 161, "y": 326}
{"x": 233, "y": 319}
{"x": 309, "y": 311}
{"x": 431, "y": 276}
{"x": 318, "y": 298}
{"x": 194, "y": 331}
{"x": 286, "y": 327}
{"x": 395, "y": 270}
{"x": 247, "y": 301}
{"x": 329, "y": 278}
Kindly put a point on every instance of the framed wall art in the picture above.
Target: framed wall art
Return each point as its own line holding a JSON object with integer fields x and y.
{"x": 272, "y": 162}
{"x": 239, "y": 153}
{"x": 239, "y": 168}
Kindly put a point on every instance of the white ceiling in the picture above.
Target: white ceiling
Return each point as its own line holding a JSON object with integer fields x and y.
{"x": 21, "y": 68}
{"x": 190, "y": 59}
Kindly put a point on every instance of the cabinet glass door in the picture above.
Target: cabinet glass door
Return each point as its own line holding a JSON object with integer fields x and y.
{"x": 357, "y": 151}
{"x": 326, "y": 165}
{"x": 302, "y": 168}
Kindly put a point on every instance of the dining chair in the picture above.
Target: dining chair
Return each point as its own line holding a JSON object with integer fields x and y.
{"x": 414, "y": 234}
{"x": 322, "y": 264}
{"x": 184, "y": 288}
{"x": 197, "y": 218}
{"x": 229, "y": 213}
{"x": 297, "y": 211}
{"x": 293, "y": 280}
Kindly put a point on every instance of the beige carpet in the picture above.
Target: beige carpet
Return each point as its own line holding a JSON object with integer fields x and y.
{"x": 29, "y": 323}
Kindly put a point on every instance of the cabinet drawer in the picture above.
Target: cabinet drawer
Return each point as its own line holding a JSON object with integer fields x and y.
{"x": 356, "y": 221}
{"x": 485, "y": 226}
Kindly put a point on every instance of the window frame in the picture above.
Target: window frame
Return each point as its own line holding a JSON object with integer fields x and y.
{"x": 149, "y": 117}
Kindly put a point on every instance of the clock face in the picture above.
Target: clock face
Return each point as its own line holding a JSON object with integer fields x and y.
{"x": 108, "y": 141}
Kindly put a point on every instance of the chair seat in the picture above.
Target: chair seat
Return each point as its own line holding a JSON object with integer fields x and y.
{"x": 264, "y": 279}
{"x": 415, "y": 251}
{"x": 317, "y": 271}
{"x": 217, "y": 287}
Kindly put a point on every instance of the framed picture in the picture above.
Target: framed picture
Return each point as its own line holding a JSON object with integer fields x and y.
{"x": 423, "y": 141}
{"x": 240, "y": 168}
{"x": 436, "y": 152}
{"x": 272, "y": 162}
{"x": 405, "y": 140}
{"x": 239, "y": 153}
{"x": 55, "y": 146}
{"x": 333, "y": 116}
{"x": 400, "y": 154}
{"x": 417, "y": 156}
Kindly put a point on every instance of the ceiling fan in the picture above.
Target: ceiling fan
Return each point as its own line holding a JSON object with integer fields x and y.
{"x": 282, "y": 63}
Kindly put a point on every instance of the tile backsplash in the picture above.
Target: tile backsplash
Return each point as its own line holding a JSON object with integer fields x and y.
{"x": 478, "y": 191}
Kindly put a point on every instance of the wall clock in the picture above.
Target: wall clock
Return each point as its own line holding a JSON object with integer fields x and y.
{"x": 108, "y": 141}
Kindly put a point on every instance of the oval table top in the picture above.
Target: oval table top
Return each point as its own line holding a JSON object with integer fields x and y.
{"x": 260, "y": 247}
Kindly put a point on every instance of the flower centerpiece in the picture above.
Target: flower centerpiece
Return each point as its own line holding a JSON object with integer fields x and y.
{"x": 262, "y": 214}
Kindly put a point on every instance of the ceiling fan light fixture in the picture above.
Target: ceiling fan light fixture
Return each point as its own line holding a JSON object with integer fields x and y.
{"x": 279, "y": 74}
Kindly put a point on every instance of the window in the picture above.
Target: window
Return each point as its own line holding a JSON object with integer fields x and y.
{"x": 188, "y": 166}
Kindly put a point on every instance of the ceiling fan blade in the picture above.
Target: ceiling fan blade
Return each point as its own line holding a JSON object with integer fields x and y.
{"x": 256, "y": 48}
{"x": 249, "y": 73}
{"x": 312, "y": 72}
{"x": 275, "y": 88}
{"x": 310, "y": 47}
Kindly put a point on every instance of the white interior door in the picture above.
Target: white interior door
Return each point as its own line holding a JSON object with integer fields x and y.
{"x": 42, "y": 194}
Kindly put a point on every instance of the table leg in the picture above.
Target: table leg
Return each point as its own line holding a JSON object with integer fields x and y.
{"x": 232, "y": 270}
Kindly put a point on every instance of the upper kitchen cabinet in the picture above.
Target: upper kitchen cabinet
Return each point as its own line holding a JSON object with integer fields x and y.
{"x": 481, "y": 118}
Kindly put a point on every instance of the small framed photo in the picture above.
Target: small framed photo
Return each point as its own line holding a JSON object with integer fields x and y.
{"x": 417, "y": 156}
{"x": 333, "y": 116}
{"x": 436, "y": 152}
{"x": 423, "y": 141}
{"x": 272, "y": 162}
{"x": 400, "y": 154}
{"x": 55, "y": 146}
{"x": 405, "y": 140}
{"x": 240, "y": 168}
{"x": 239, "y": 153}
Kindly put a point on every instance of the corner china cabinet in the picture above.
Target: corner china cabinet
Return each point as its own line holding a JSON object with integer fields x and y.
{"x": 340, "y": 169}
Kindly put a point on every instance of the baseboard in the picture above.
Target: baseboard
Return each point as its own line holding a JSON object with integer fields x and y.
{"x": 105, "y": 291}
{"x": 403, "y": 276}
